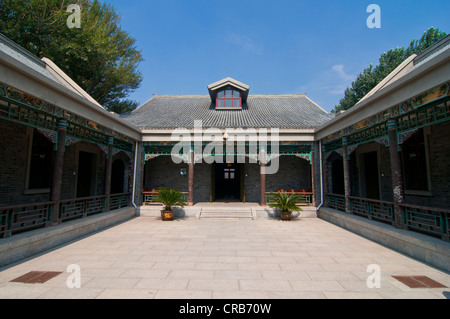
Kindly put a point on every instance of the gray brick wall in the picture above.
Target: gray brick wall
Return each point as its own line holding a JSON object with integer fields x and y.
{"x": 14, "y": 149}
{"x": 162, "y": 172}
{"x": 439, "y": 170}
{"x": 14, "y": 143}
{"x": 202, "y": 183}
{"x": 252, "y": 183}
{"x": 439, "y": 165}
{"x": 294, "y": 173}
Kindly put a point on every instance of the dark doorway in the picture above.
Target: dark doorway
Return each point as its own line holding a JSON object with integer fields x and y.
{"x": 371, "y": 175}
{"x": 118, "y": 177}
{"x": 227, "y": 182}
{"x": 86, "y": 175}
{"x": 337, "y": 175}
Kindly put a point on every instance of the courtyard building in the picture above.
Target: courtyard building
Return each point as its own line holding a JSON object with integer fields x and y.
{"x": 65, "y": 158}
{"x": 239, "y": 127}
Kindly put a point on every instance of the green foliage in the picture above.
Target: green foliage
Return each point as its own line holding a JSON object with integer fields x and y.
{"x": 169, "y": 198}
{"x": 122, "y": 106}
{"x": 388, "y": 61}
{"x": 99, "y": 56}
{"x": 286, "y": 202}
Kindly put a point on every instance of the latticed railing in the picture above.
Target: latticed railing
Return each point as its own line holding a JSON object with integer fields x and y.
{"x": 372, "y": 209}
{"x": 307, "y": 197}
{"x": 426, "y": 220}
{"x": 81, "y": 207}
{"x": 336, "y": 201}
{"x": 149, "y": 197}
{"x": 22, "y": 218}
{"x": 118, "y": 201}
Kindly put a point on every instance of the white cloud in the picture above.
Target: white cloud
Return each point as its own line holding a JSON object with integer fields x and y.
{"x": 328, "y": 86}
{"x": 339, "y": 69}
{"x": 245, "y": 43}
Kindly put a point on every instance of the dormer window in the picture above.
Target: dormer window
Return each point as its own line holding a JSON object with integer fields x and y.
{"x": 229, "y": 99}
{"x": 228, "y": 94}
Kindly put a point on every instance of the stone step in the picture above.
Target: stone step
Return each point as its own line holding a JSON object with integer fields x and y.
{"x": 226, "y": 213}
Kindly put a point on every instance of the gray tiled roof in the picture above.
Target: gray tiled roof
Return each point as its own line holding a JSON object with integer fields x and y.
{"x": 18, "y": 53}
{"x": 260, "y": 111}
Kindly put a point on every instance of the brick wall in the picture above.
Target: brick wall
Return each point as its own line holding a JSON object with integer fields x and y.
{"x": 202, "y": 183}
{"x": 439, "y": 170}
{"x": 14, "y": 143}
{"x": 252, "y": 183}
{"x": 14, "y": 153}
{"x": 294, "y": 173}
{"x": 161, "y": 172}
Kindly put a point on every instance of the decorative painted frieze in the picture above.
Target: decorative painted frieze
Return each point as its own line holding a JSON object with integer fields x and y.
{"x": 404, "y": 136}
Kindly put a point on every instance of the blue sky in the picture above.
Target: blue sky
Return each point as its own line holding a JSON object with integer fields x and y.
{"x": 276, "y": 47}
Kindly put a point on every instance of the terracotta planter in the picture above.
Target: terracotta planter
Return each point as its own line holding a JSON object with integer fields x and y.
{"x": 167, "y": 215}
{"x": 286, "y": 215}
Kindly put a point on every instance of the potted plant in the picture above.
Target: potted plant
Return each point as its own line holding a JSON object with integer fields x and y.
{"x": 169, "y": 198}
{"x": 286, "y": 203}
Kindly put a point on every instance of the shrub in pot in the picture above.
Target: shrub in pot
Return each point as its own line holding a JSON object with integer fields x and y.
{"x": 286, "y": 203}
{"x": 169, "y": 198}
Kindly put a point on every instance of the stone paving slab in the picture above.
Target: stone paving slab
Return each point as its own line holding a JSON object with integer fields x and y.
{"x": 146, "y": 258}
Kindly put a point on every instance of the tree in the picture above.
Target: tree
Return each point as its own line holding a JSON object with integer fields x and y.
{"x": 99, "y": 56}
{"x": 388, "y": 61}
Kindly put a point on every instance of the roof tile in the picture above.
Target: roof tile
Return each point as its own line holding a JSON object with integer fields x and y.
{"x": 260, "y": 111}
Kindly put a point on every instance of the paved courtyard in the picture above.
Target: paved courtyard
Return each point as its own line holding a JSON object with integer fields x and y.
{"x": 220, "y": 259}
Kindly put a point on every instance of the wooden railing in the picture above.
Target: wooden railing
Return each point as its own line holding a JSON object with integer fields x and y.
{"x": 81, "y": 207}
{"x": 372, "y": 209}
{"x": 149, "y": 196}
{"x": 118, "y": 201}
{"x": 426, "y": 220}
{"x": 22, "y": 218}
{"x": 432, "y": 221}
{"x": 308, "y": 197}
{"x": 336, "y": 201}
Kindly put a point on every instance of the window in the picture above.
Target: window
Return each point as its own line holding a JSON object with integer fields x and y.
{"x": 40, "y": 169}
{"x": 415, "y": 163}
{"x": 229, "y": 173}
{"x": 229, "y": 99}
